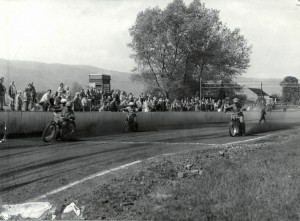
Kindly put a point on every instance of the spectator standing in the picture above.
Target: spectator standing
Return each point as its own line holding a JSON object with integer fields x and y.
{"x": 82, "y": 93}
{"x": 113, "y": 105}
{"x": 77, "y": 102}
{"x": 84, "y": 103}
{"x": 2, "y": 93}
{"x": 124, "y": 103}
{"x": 19, "y": 101}
{"x": 262, "y": 114}
{"x": 139, "y": 104}
{"x": 130, "y": 97}
{"x": 88, "y": 92}
{"x": 12, "y": 92}
{"x": 197, "y": 107}
{"x": 117, "y": 97}
{"x": 122, "y": 96}
{"x": 167, "y": 104}
{"x": 60, "y": 90}
{"x": 27, "y": 98}
{"x": 68, "y": 95}
{"x": 142, "y": 98}
{"x": 32, "y": 94}
{"x": 146, "y": 105}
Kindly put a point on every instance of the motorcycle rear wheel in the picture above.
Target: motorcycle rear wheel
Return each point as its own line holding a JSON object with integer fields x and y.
{"x": 49, "y": 132}
{"x": 67, "y": 132}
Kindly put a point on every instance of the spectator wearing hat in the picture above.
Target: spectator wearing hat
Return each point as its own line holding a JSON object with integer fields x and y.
{"x": 2, "y": 94}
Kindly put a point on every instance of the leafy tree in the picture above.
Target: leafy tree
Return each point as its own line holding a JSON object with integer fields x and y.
{"x": 176, "y": 47}
{"x": 290, "y": 90}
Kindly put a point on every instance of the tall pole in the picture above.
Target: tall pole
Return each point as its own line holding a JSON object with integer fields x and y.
{"x": 200, "y": 88}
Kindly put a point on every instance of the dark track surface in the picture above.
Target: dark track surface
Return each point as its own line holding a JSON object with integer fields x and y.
{"x": 30, "y": 167}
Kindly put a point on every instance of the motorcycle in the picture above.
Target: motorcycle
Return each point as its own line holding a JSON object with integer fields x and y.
{"x": 130, "y": 123}
{"x": 59, "y": 127}
{"x": 236, "y": 128}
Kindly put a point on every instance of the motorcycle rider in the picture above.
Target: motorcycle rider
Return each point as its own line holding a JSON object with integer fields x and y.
{"x": 131, "y": 109}
{"x": 66, "y": 112}
{"x": 237, "y": 108}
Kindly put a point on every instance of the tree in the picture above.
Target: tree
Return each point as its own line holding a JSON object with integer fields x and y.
{"x": 290, "y": 90}
{"x": 76, "y": 87}
{"x": 176, "y": 47}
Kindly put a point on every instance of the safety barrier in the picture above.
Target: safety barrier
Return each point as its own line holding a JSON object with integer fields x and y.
{"x": 18, "y": 123}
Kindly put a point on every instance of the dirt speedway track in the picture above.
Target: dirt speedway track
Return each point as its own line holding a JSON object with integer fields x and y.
{"x": 31, "y": 168}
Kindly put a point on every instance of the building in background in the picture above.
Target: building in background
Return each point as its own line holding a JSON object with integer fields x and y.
{"x": 100, "y": 81}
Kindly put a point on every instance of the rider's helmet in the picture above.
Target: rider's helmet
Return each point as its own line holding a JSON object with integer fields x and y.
{"x": 236, "y": 100}
{"x": 131, "y": 104}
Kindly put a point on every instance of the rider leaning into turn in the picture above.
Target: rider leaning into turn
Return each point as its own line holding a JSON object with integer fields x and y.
{"x": 237, "y": 108}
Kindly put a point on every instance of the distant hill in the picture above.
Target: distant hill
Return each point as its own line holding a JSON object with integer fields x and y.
{"x": 48, "y": 76}
{"x": 45, "y": 76}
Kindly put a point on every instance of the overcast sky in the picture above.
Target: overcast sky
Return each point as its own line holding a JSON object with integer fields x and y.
{"x": 95, "y": 32}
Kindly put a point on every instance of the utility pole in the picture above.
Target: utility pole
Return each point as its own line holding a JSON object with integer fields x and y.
{"x": 200, "y": 88}
{"x": 262, "y": 94}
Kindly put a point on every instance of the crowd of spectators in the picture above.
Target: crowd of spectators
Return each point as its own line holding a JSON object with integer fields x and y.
{"x": 92, "y": 99}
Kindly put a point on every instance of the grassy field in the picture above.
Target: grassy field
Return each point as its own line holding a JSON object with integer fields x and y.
{"x": 259, "y": 181}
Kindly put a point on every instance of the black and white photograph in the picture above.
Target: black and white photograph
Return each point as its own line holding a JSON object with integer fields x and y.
{"x": 150, "y": 110}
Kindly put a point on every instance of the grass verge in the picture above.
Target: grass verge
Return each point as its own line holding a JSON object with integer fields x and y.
{"x": 259, "y": 181}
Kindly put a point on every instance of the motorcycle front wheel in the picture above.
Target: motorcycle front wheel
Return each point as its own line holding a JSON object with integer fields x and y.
{"x": 49, "y": 132}
{"x": 232, "y": 127}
